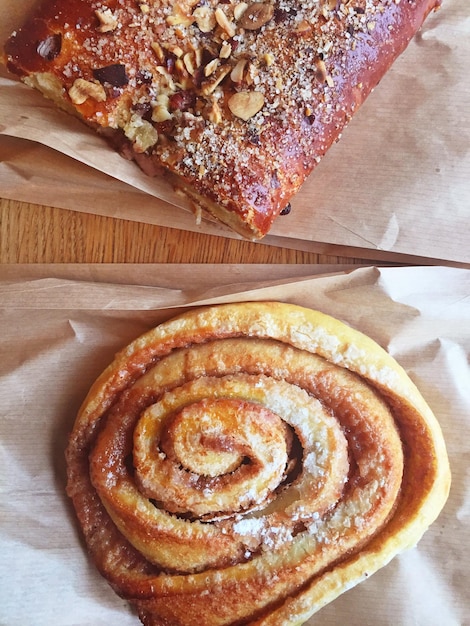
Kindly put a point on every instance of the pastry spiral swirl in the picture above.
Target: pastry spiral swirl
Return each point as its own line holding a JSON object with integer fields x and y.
{"x": 246, "y": 463}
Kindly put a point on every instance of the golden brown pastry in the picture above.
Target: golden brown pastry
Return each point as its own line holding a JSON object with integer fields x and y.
{"x": 247, "y": 463}
{"x": 235, "y": 102}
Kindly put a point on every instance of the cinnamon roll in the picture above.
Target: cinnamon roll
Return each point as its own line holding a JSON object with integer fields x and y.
{"x": 247, "y": 463}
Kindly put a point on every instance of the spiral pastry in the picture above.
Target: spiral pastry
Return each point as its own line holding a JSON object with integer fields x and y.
{"x": 247, "y": 463}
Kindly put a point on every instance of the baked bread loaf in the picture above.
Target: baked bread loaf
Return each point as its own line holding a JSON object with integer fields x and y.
{"x": 247, "y": 463}
{"x": 234, "y": 102}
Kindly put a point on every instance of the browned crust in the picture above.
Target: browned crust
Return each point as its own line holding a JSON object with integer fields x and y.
{"x": 148, "y": 72}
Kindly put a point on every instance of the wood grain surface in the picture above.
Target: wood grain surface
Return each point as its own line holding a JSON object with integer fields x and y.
{"x": 31, "y": 233}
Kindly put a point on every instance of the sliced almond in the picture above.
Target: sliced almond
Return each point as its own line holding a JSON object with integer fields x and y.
{"x": 198, "y": 57}
{"x": 159, "y": 52}
{"x": 239, "y": 9}
{"x": 211, "y": 67}
{"x": 181, "y": 68}
{"x": 225, "y": 50}
{"x": 223, "y": 21}
{"x": 246, "y": 104}
{"x": 238, "y": 71}
{"x": 189, "y": 63}
{"x": 256, "y": 15}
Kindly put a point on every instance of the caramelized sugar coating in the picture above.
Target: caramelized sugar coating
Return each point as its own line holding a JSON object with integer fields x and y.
{"x": 236, "y": 102}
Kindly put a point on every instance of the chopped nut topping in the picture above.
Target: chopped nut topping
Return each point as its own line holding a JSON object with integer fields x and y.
{"x": 168, "y": 81}
{"x": 180, "y": 67}
{"x": 252, "y": 72}
{"x": 163, "y": 99}
{"x": 83, "y": 89}
{"x": 268, "y": 59}
{"x": 211, "y": 67}
{"x": 225, "y": 50}
{"x": 322, "y": 73}
{"x": 141, "y": 133}
{"x": 239, "y": 9}
{"x": 303, "y": 27}
{"x": 175, "y": 49}
{"x": 321, "y": 67}
{"x": 161, "y": 113}
{"x": 205, "y": 19}
{"x": 179, "y": 18}
{"x": 198, "y": 57}
{"x": 189, "y": 74}
{"x": 308, "y": 111}
{"x": 224, "y": 22}
{"x": 214, "y": 113}
{"x": 328, "y": 6}
{"x": 238, "y": 71}
{"x": 256, "y": 15}
{"x": 215, "y": 79}
{"x": 245, "y": 104}
{"x": 159, "y": 52}
{"x": 190, "y": 63}
{"x": 107, "y": 21}
{"x": 161, "y": 109}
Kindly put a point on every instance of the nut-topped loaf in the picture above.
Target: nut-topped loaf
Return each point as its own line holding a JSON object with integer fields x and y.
{"x": 235, "y": 102}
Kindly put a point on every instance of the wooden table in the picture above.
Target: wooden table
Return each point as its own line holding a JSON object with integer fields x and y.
{"x": 32, "y": 233}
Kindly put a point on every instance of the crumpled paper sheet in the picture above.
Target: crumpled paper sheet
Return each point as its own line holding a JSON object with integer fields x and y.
{"x": 397, "y": 183}
{"x": 61, "y": 325}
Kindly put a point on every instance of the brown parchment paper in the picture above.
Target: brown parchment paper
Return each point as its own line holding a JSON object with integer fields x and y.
{"x": 62, "y": 324}
{"x": 398, "y": 182}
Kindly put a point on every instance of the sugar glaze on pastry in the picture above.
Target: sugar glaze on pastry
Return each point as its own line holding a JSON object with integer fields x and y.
{"x": 248, "y": 463}
{"x": 235, "y": 102}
